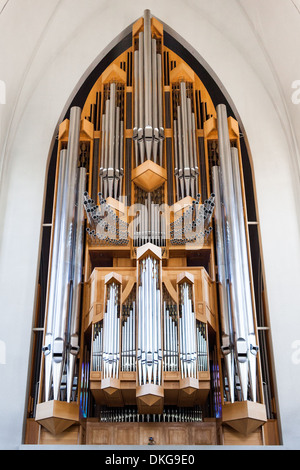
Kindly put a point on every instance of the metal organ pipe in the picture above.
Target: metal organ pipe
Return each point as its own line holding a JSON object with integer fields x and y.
{"x": 187, "y": 325}
{"x": 186, "y": 159}
{"x": 223, "y": 279}
{"x": 170, "y": 337}
{"x": 111, "y": 332}
{"x": 111, "y": 171}
{"x": 148, "y": 125}
{"x": 76, "y": 282}
{"x": 97, "y": 346}
{"x": 237, "y": 298}
{"x": 60, "y": 197}
{"x": 128, "y": 337}
{"x": 234, "y": 228}
{"x": 149, "y": 323}
{"x": 252, "y": 344}
{"x": 65, "y": 253}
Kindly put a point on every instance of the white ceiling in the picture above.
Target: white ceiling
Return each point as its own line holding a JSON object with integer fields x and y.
{"x": 266, "y": 33}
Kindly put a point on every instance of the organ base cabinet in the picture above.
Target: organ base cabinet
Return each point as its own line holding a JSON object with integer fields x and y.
{"x": 150, "y": 329}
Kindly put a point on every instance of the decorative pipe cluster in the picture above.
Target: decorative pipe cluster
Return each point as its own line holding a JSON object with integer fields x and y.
{"x": 236, "y": 310}
{"x": 201, "y": 346}
{"x": 128, "y": 352}
{"x": 170, "y": 337}
{"x": 193, "y": 225}
{"x": 148, "y": 132}
{"x": 111, "y": 333}
{"x": 187, "y": 327}
{"x": 169, "y": 415}
{"x": 108, "y": 228}
{"x": 149, "y": 323}
{"x": 150, "y": 222}
{"x": 185, "y": 150}
{"x": 112, "y": 148}
{"x": 61, "y": 343}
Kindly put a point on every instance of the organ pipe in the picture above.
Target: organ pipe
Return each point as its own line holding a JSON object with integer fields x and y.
{"x": 187, "y": 327}
{"x": 243, "y": 335}
{"x": 111, "y": 162}
{"x": 185, "y": 149}
{"x": 149, "y": 323}
{"x": 148, "y": 129}
{"x": 111, "y": 332}
{"x": 67, "y": 246}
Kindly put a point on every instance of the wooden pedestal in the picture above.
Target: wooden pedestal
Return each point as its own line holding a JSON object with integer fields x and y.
{"x": 150, "y": 399}
{"x": 56, "y": 416}
{"x": 244, "y": 416}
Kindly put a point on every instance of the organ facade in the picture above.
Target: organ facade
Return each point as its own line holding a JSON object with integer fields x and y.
{"x": 152, "y": 318}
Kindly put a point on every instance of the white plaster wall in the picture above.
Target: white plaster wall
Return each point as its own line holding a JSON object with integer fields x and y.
{"x": 45, "y": 51}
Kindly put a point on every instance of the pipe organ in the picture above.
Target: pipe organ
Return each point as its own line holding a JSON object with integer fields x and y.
{"x": 150, "y": 313}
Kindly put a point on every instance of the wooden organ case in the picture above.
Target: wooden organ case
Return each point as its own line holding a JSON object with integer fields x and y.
{"x": 150, "y": 332}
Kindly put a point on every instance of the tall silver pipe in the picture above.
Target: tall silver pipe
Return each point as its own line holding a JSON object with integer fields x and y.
{"x": 252, "y": 343}
{"x": 188, "y": 352}
{"x": 233, "y": 249}
{"x": 112, "y": 121}
{"x": 123, "y": 348}
{"x": 180, "y": 152}
{"x": 147, "y": 83}
{"x": 117, "y": 154}
{"x": 141, "y": 98}
{"x": 223, "y": 279}
{"x": 60, "y": 198}
{"x": 136, "y": 106}
{"x": 184, "y": 123}
{"x": 139, "y": 338}
{"x": 176, "y": 162}
{"x": 165, "y": 337}
{"x": 102, "y": 155}
{"x": 65, "y": 252}
{"x": 106, "y": 152}
{"x": 190, "y": 145}
{"x": 160, "y": 108}
{"x": 150, "y": 309}
{"x": 195, "y": 158}
{"x": 134, "y": 336}
{"x": 121, "y": 166}
{"x": 154, "y": 103}
{"x": 159, "y": 332}
{"x": 77, "y": 279}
